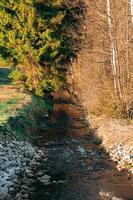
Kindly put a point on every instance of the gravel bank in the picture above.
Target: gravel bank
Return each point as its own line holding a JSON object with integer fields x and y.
{"x": 123, "y": 156}
{"x": 18, "y": 162}
{"x": 117, "y": 137}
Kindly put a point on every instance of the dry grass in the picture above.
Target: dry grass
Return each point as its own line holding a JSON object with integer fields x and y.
{"x": 91, "y": 75}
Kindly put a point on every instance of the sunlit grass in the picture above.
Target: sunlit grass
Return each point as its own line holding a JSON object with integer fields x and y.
{"x": 21, "y": 114}
{"x": 10, "y": 106}
{"x": 10, "y": 98}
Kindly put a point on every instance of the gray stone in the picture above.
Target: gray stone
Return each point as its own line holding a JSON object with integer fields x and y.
{"x": 45, "y": 179}
{"x": 25, "y": 196}
{"x": 39, "y": 174}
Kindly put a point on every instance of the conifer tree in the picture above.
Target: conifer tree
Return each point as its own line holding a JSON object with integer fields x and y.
{"x": 33, "y": 41}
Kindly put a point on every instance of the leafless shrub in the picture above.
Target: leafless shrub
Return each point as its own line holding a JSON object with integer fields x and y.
{"x": 101, "y": 75}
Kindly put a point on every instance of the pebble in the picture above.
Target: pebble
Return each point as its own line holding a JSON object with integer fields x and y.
{"x": 25, "y": 196}
{"x": 123, "y": 156}
{"x": 45, "y": 179}
{"x": 17, "y": 160}
{"x": 39, "y": 174}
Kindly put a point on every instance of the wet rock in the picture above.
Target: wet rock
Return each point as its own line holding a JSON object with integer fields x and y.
{"x": 25, "y": 196}
{"x": 45, "y": 179}
{"x": 60, "y": 181}
{"x": 23, "y": 191}
{"x": 18, "y": 196}
{"x": 24, "y": 187}
{"x": 32, "y": 189}
{"x": 30, "y": 175}
{"x": 97, "y": 141}
{"x": 17, "y": 160}
{"x": 81, "y": 150}
{"x": 39, "y": 174}
{"x": 90, "y": 168}
{"x": 29, "y": 182}
{"x": 11, "y": 190}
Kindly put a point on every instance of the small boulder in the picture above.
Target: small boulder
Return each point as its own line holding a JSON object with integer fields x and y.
{"x": 45, "y": 179}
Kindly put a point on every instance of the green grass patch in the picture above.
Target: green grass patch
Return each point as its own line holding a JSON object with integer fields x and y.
{"x": 22, "y": 115}
{"x": 26, "y": 122}
{"x": 7, "y": 109}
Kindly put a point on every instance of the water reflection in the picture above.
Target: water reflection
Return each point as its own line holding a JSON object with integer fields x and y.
{"x": 78, "y": 169}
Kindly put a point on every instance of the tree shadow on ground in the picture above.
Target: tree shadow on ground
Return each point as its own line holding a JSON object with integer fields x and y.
{"x": 79, "y": 168}
{"x": 28, "y": 121}
{"x": 4, "y": 76}
{"x": 22, "y": 115}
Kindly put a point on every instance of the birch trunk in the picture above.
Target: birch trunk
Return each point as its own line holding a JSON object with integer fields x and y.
{"x": 114, "y": 54}
{"x": 131, "y": 3}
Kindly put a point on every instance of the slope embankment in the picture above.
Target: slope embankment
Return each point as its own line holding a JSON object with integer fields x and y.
{"x": 22, "y": 118}
{"x": 117, "y": 139}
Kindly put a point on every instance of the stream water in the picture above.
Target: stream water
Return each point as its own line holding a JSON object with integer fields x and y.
{"x": 62, "y": 163}
{"x": 75, "y": 167}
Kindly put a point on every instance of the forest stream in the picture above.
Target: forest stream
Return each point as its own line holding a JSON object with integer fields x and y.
{"x": 53, "y": 154}
{"x": 65, "y": 162}
{"x": 75, "y": 167}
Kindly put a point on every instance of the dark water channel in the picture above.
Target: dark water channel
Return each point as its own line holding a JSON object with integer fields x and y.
{"x": 75, "y": 167}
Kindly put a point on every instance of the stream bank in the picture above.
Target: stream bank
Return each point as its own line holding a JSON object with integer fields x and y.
{"x": 92, "y": 79}
{"x": 117, "y": 139}
{"x": 66, "y": 162}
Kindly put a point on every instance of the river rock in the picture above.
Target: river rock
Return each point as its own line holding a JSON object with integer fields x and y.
{"x": 45, "y": 179}
{"x": 17, "y": 159}
{"x": 39, "y": 174}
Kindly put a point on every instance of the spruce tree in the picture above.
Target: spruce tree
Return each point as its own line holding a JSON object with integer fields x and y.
{"x": 33, "y": 41}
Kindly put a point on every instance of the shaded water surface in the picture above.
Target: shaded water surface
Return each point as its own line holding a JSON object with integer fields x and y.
{"x": 76, "y": 168}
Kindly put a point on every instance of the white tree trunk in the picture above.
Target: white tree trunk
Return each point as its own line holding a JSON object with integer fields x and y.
{"x": 131, "y": 2}
{"x": 113, "y": 48}
{"x": 114, "y": 53}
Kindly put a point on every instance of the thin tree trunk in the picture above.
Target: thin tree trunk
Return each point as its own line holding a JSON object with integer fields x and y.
{"x": 113, "y": 59}
{"x": 131, "y": 3}
{"x": 114, "y": 54}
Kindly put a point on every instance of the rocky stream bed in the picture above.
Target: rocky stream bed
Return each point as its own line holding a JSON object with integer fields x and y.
{"x": 64, "y": 163}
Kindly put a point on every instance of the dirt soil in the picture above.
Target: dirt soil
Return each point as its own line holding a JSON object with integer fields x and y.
{"x": 114, "y": 131}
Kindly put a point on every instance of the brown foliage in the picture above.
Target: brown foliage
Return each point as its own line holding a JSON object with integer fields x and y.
{"x": 101, "y": 75}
